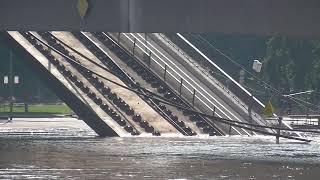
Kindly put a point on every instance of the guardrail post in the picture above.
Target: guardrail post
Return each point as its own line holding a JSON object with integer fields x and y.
{"x": 194, "y": 95}
{"x": 149, "y": 63}
{"x": 180, "y": 88}
{"x": 145, "y": 41}
{"x": 11, "y": 109}
{"x": 230, "y": 130}
{"x": 278, "y": 131}
{"x": 250, "y": 112}
{"x": 26, "y": 107}
{"x": 165, "y": 73}
{"x": 213, "y": 113}
{"x": 134, "y": 45}
{"x": 11, "y": 86}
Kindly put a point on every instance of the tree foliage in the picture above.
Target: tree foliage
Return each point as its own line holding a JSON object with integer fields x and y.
{"x": 288, "y": 62}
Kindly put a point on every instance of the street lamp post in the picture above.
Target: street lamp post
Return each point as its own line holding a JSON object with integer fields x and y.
{"x": 11, "y": 87}
{"x": 11, "y": 81}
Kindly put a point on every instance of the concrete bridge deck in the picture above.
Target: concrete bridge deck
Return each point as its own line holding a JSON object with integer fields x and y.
{"x": 92, "y": 119}
{"x": 139, "y": 105}
{"x": 88, "y": 101}
{"x": 205, "y": 100}
{"x": 143, "y": 83}
{"x": 228, "y": 104}
{"x": 60, "y": 57}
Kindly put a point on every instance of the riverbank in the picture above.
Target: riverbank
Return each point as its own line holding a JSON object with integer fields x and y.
{"x": 59, "y": 108}
{"x": 42, "y": 123}
{"x": 36, "y": 111}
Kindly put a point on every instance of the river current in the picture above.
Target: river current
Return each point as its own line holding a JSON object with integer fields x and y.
{"x": 77, "y": 153}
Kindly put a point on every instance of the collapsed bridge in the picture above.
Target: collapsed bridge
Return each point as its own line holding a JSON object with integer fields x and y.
{"x": 131, "y": 84}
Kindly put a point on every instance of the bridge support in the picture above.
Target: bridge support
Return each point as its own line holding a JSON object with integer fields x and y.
{"x": 278, "y": 131}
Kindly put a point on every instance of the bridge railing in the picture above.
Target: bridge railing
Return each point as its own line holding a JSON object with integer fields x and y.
{"x": 169, "y": 74}
{"x": 207, "y": 68}
{"x": 247, "y": 97}
{"x": 186, "y": 89}
{"x": 229, "y": 89}
{"x": 208, "y": 71}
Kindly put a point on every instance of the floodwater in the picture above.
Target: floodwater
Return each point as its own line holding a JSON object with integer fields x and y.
{"x": 67, "y": 152}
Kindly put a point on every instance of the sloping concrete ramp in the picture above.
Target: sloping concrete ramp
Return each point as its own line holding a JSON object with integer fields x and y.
{"x": 77, "y": 100}
{"x": 102, "y": 105}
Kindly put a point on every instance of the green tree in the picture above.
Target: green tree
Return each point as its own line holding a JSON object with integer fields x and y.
{"x": 279, "y": 66}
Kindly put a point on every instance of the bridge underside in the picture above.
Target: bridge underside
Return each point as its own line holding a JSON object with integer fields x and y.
{"x": 290, "y": 17}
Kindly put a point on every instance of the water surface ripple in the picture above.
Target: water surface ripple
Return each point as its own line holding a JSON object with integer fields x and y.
{"x": 71, "y": 153}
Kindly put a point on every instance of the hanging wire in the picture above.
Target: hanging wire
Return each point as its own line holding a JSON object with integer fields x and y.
{"x": 265, "y": 84}
{"x": 222, "y": 120}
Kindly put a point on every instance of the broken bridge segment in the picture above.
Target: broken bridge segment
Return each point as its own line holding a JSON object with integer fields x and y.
{"x": 78, "y": 101}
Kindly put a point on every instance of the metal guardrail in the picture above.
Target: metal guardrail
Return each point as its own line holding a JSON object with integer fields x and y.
{"x": 204, "y": 71}
{"x": 207, "y": 74}
{"x": 197, "y": 96}
{"x": 110, "y": 36}
{"x": 242, "y": 92}
{"x": 149, "y": 101}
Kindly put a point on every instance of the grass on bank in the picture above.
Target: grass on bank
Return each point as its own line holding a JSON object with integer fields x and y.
{"x": 37, "y": 108}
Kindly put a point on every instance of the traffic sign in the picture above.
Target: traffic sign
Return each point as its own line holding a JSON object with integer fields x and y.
{"x": 82, "y": 7}
{"x": 5, "y": 79}
{"x": 268, "y": 109}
